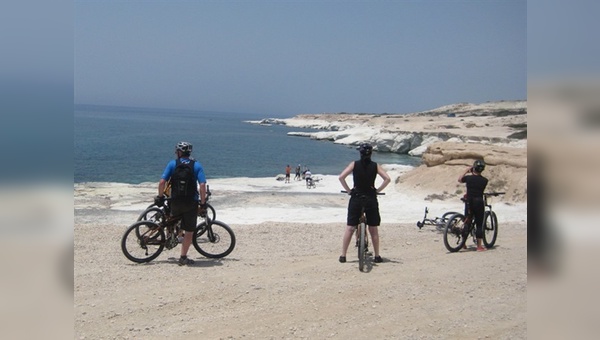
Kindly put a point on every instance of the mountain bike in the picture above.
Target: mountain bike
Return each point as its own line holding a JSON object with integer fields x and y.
{"x": 362, "y": 239}
{"x": 459, "y": 227}
{"x": 438, "y": 222}
{"x": 155, "y": 213}
{"x": 144, "y": 240}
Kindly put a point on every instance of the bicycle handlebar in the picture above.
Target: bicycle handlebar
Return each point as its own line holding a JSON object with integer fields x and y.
{"x": 378, "y": 193}
{"x": 494, "y": 193}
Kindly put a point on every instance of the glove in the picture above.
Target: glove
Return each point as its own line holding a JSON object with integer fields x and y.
{"x": 202, "y": 210}
{"x": 159, "y": 201}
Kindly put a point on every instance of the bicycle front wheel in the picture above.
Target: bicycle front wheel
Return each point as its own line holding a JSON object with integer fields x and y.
{"x": 214, "y": 240}
{"x": 143, "y": 241}
{"x": 454, "y": 233}
{"x": 490, "y": 229}
{"x": 362, "y": 246}
{"x": 210, "y": 212}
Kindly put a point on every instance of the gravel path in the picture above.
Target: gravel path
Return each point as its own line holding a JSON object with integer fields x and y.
{"x": 283, "y": 281}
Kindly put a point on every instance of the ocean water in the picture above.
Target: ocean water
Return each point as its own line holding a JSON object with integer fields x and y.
{"x": 133, "y": 145}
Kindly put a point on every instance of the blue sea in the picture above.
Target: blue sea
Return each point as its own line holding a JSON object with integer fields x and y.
{"x": 133, "y": 145}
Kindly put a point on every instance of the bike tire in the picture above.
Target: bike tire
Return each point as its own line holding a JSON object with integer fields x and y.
{"x": 454, "y": 236}
{"x": 214, "y": 239}
{"x": 143, "y": 241}
{"x": 211, "y": 213}
{"x": 449, "y": 214}
{"x": 490, "y": 229}
{"x": 152, "y": 214}
{"x": 362, "y": 244}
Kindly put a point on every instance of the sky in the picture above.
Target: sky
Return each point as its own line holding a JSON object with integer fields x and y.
{"x": 283, "y": 58}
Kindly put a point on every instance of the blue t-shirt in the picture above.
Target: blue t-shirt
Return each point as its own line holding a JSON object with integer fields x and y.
{"x": 198, "y": 171}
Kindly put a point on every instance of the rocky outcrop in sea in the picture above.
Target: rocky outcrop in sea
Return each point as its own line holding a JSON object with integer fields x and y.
{"x": 502, "y": 123}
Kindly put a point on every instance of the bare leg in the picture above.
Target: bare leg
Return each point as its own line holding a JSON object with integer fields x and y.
{"x": 375, "y": 239}
{"x": 187, "y": 241}
{"x": 347, "y": 238}
{"x": 479, "y": 246}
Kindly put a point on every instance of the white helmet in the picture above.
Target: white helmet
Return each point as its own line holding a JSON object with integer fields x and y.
{"x": 184, "y": 147}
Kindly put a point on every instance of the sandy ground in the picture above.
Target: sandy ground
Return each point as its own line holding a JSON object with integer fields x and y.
{"x": 284, "y": 281}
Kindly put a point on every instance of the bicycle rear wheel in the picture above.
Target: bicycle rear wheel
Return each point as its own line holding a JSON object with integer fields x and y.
{"x": 214, "y": 240}
{"x": 143, "y": 241}
{"x": 449, "y": 214}
{"x": 362, "y": 245}
{"x": 454, "y": 233}
{"x": 490, "y": 229}
{"x": 152, "y": 214}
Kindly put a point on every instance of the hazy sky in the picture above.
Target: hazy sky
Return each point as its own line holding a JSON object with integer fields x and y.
{"x": 284, "y": 58}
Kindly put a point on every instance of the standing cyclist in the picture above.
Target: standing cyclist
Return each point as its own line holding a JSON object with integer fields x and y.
{"x": 364, "y": 173}
{"x": 474, "y": 198}
{"x": 183, "y": 173}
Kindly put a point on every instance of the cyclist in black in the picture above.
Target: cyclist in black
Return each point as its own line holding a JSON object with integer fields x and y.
{"x": 476, "y": 184}
{"x": 364, "y": 173}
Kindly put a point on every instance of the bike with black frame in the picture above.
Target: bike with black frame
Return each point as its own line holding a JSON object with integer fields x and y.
{"x": 459, "y": 227}
{"x": 438, "y": 222}
{"x": 145, "y": 240}
{"x": 155, "y": 213}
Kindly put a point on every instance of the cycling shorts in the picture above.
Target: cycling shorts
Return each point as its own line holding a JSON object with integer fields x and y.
{"x": 188, "y": 211}
{"x": 371, "y": 210}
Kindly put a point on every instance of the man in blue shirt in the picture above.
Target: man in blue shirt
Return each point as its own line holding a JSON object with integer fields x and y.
{"x": 185, "y": 206}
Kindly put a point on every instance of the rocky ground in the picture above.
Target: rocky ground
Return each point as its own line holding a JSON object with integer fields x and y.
{"x": 283, "y": 281}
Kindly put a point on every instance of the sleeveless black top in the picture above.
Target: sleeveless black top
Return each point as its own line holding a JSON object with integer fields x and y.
{"x": 364, "y": 175}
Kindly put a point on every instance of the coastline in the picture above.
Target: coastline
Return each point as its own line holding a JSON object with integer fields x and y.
{"x": 259, "y": 200}
{"x": 501, "y": 123}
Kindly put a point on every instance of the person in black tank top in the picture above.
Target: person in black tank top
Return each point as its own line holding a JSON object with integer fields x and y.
{"x": 476, "y": 185}
{"x": 364, "y": 172}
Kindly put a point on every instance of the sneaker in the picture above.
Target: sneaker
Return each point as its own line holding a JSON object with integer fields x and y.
{"x": 378, "y": 259}
{"x": 184, "y": 261}
{"x": 342, "y": 259}
{"x": 481, "y": 249}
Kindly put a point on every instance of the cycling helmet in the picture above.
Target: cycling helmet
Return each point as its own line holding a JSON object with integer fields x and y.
{"x": 478, "y": 166}
{"x": 365, "y": 150}
{"x": 184, "y": 147}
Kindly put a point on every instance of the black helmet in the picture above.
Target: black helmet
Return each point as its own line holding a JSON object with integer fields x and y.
{"x": 365, "y": 150}
{"x": 184, "y": 147}
{"x": 479, "y": 166}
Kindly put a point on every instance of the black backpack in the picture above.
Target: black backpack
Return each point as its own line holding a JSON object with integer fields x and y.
{"x": 183, "y": 181}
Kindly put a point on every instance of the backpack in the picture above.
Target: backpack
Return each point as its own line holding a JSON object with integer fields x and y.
{"x": 183, "y": 180}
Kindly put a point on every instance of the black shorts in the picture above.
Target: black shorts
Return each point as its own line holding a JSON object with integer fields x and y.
{"x": 188, "y": 211}
{"x": 371, "y": 210}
